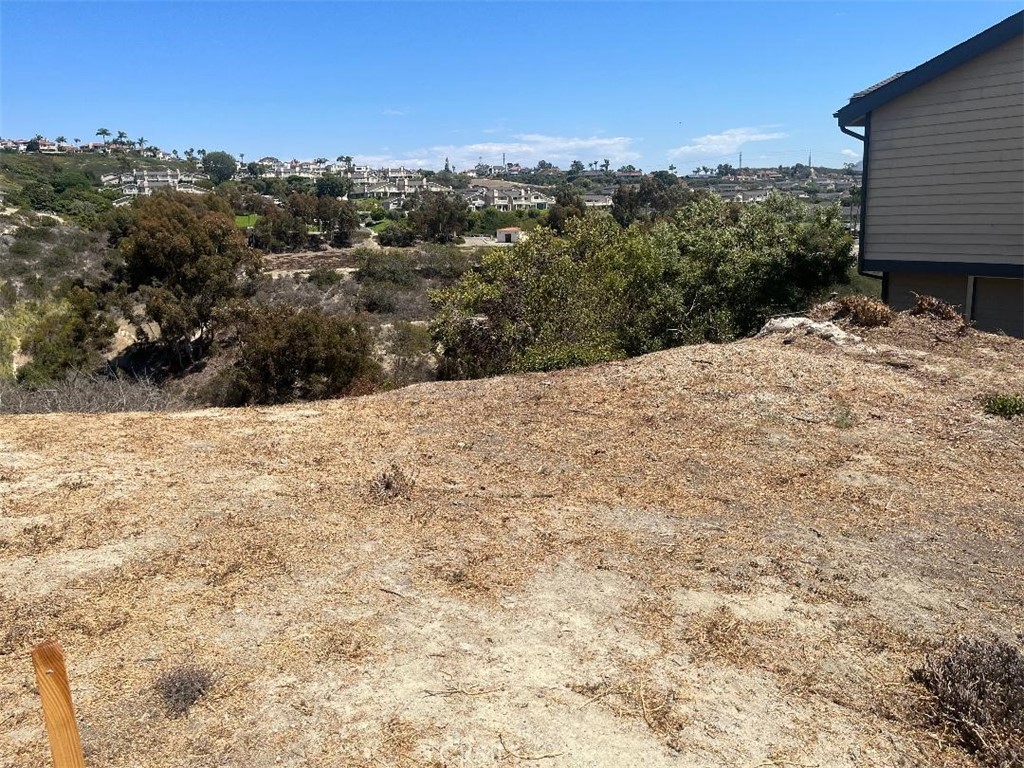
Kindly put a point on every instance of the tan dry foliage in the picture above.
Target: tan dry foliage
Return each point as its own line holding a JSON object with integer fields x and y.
{"x": 693, "y": 524}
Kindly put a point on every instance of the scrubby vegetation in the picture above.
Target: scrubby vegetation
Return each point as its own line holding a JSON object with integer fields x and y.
{"x": 929, "y": 305}
{"x": 286, "y": 354}
{"x": 977, "y": 688}
{"x": 72, "y": 336}
{"x": 88, "y": 393}
{"x": 864, "y": 311}
{"x": 1007, "y": 406}
{"x": 599, "y": 291}
{"x": 66, "y": 185}
{"x": 180, "y": 274}
{"x": 183, "y": 686}
{"x": 392, "y": 483}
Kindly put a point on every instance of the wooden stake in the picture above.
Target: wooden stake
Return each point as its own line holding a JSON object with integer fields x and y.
{"x": 55, "y": 691}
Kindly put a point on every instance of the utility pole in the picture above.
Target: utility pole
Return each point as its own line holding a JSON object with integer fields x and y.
{"x": 741, "y": 161}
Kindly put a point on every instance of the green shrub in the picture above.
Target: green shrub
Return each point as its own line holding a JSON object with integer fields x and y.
{"x": 287, "y": 354}
{"x": 387, "y": 266}
{"x": 597, "y": 291}
{"x": 1007, "y": 406}
{"x": 325, "y": 277}
{"x": 411, "y": 352}
{"x": 444, "y": 262}
{"x": 8, "y": 346}
{"x": 397, "y": 235}
{"x": 73, "y": 337}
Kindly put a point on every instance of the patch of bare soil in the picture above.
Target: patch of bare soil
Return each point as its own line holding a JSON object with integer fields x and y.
{"x": 717, "y": 556}
{"x": 305, "y": 261}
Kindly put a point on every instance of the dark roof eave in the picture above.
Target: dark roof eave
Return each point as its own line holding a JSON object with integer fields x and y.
{"x": 852, "y": 115}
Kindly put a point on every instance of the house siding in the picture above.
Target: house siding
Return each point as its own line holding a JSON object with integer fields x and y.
{"x": 999, "y": 305}
{"x": 946, "y": 169}
{"x": 901, "y": 288}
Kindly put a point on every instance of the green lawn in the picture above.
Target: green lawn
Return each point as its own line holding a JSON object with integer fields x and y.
{"x": 246, "y": 221}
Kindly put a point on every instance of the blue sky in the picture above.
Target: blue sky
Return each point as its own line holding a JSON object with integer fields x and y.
{"x": 646, "y": 83}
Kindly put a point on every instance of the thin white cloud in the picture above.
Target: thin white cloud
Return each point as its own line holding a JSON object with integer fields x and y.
{"x": 524, "y": 148}
{"x": 850, "y": 153}
{"x": 395, "y": 112}
{"x": 722, "y": 144}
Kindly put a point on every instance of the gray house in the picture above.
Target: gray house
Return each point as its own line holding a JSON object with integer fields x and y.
{"x": 943, "y": 180}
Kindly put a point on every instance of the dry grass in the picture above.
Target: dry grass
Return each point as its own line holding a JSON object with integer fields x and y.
{"x": 929, "y": 305}
{"x": 722, "y": 636}
{"x": 686, "y": 536}
{"x": 639, "y": 697}
{"x": 86, "y": 393}
{"x": 863, "y": 311}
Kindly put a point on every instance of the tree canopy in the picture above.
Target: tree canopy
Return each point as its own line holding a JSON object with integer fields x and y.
{"x": 439, "y": 217}
{"x": 185, "y": 255}
{"x": 219, "y": 166}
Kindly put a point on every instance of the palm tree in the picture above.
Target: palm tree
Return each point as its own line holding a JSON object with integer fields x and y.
{"x": 60, "y": 141}
{"x": 103, "y": 133}
{"x": 141, "y": 142}
{"x": 121, "y": 138}
{"x": 77, "y": 142}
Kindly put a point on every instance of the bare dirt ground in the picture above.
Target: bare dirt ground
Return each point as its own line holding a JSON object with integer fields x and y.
{"x": 304, "y": 261}
{"x": 713, "y": 556}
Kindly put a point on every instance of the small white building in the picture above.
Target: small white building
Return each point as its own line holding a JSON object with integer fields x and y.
{"x": 509, "y": 235}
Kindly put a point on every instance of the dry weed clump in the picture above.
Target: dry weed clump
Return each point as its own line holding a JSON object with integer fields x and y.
{"x": 639, "y": 697}
{"x": 863, "y": 311}
{"x": 929, "y": 305}
{"x": 85, "y": 393}
{"x": 721, "y": 634}
{"x": 392, "y": 483}
{"x": 181, "y": 687}
{"x": 977, "y": 689}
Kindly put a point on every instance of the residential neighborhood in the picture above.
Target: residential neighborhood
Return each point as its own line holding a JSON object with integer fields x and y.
{"x": 498, "y": 186}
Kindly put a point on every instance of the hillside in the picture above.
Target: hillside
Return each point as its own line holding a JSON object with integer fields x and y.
{"x": 716, "y": 555}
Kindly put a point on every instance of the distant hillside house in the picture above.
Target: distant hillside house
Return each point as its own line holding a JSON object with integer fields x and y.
{"x": 943, "y": 179}
{"x": 516, "y": 198}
